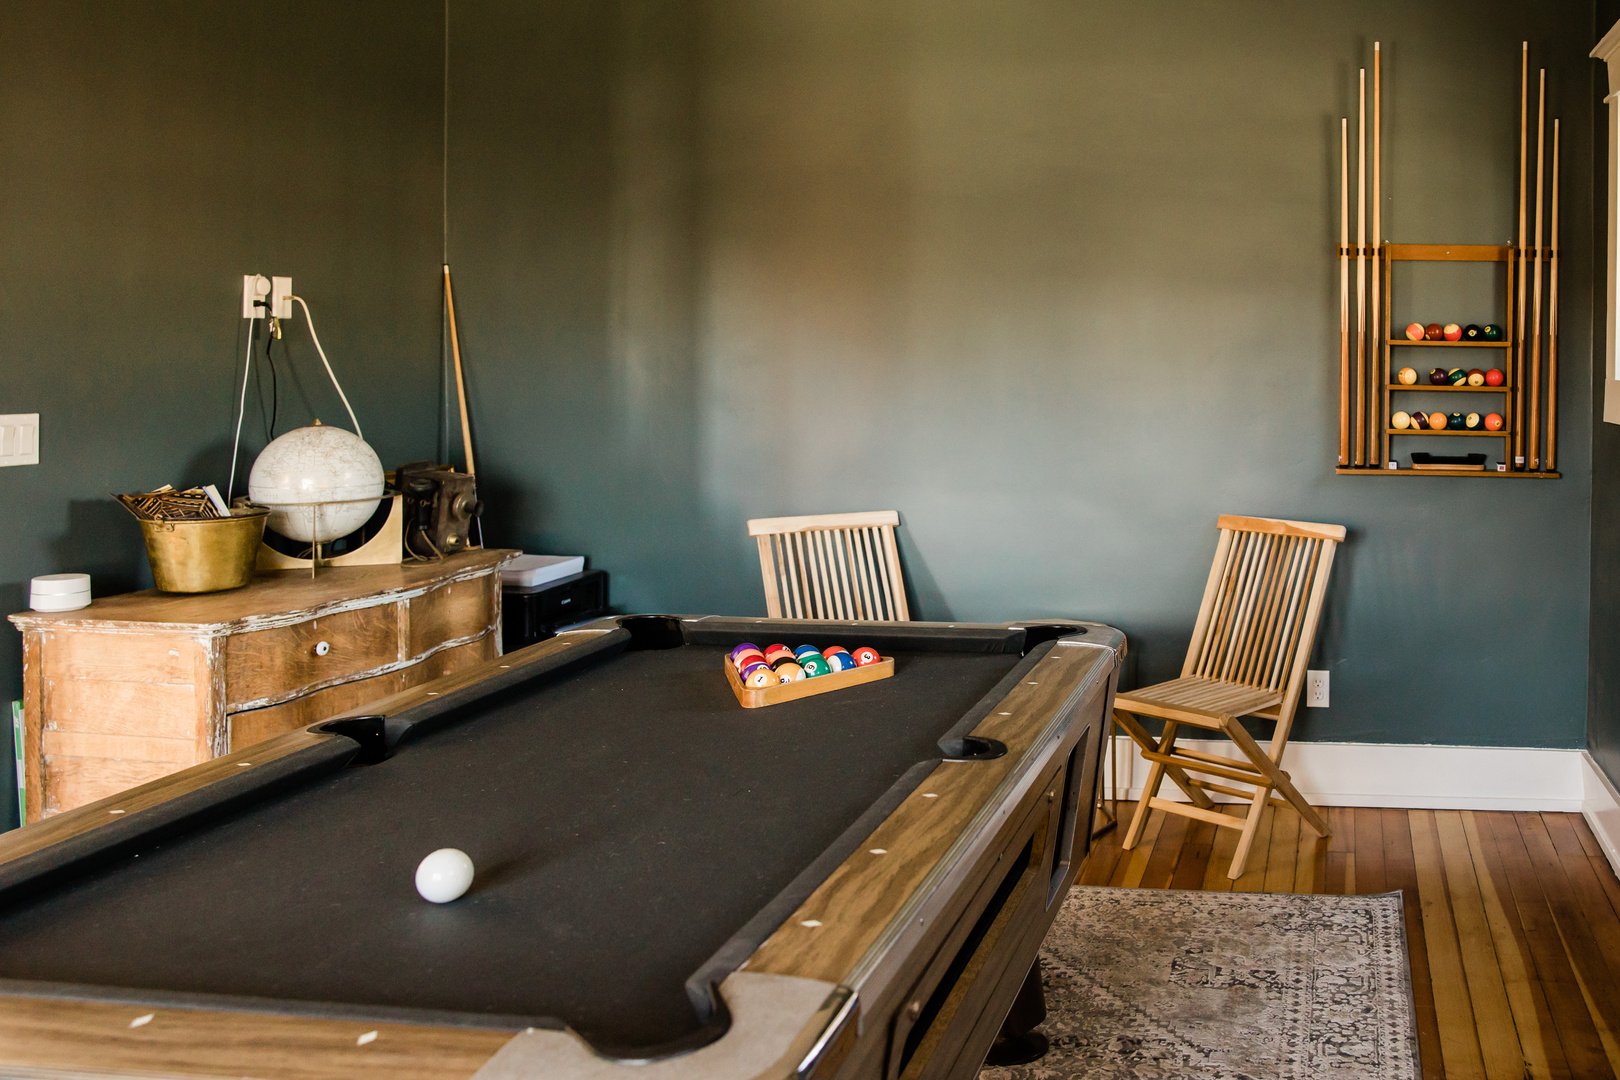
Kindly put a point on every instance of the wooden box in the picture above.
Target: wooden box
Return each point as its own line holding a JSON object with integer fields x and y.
{"x": 757, "y": 698}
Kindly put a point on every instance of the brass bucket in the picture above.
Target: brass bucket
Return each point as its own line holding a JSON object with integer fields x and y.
{"x": 204, "y": 556}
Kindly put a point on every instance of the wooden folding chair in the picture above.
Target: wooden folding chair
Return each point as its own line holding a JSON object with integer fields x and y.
{"x": 832, "y": 566}
{"x": 1247, "y": 657}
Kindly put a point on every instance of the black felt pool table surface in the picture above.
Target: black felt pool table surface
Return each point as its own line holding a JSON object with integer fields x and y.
{"x": 627, "y": 818}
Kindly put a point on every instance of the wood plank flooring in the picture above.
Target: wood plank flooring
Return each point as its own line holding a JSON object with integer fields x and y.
{"x": 1512, "y": 921}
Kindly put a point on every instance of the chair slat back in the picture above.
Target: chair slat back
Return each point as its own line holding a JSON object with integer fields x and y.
{"x": 1262, "y": 603}
{"x": 844, "y": 567}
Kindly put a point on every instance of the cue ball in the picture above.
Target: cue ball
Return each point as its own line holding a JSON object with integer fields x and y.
{"x": 444, "y": 875}
{"x": 1400, "y": 421}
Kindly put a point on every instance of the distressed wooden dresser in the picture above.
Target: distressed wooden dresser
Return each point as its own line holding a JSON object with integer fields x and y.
{"x": 134, "y": 687}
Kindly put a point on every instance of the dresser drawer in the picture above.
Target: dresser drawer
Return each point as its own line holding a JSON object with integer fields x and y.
{"x": 458, "y": 609}
{"x": 267, "y": 666}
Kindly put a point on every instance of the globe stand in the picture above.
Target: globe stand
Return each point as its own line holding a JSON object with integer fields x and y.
{"x": 384, "y": 549}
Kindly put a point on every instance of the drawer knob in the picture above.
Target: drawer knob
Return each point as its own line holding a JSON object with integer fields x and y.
{"x": 322, "y": 648}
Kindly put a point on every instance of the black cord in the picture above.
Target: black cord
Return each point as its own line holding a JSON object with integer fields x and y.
{"x": 275, "y": 384}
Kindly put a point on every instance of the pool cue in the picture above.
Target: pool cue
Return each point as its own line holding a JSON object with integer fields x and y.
{"x": 1552, "y": 318}
{"x": 1344, "y": 291}
{"x": 1535, "y": 302}
{"x": 1516, "y": 358}
{"x": 1361, "y": 273}
{"x": 1377, "y": 368}
{"x": 461, "y": 386}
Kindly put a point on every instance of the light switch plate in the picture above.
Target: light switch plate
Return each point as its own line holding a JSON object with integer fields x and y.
{"x": 19, "y": 439}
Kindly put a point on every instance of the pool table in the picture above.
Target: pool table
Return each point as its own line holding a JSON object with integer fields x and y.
{"x": 854, "y": 884}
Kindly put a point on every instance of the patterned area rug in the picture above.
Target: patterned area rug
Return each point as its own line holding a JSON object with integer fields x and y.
{"x": 1148, "y": 984}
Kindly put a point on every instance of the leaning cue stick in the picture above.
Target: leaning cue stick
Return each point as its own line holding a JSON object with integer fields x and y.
{"x": 1344, "y": 291}
{"x": 461, "y": 386}
{"x": 1361, "y": 273}
{"x": 1378, "y": 354}
{"x": 1552, "y": 318}
{"x": 1516, "y": 360}
{"x": 1535, "y": 302}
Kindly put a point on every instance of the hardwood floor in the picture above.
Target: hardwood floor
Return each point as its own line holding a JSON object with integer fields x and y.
{"x": 1512, "y": 920}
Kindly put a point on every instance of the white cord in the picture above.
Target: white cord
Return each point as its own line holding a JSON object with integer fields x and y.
{"x": 241, "y": 407}
{"x": 311, "y": 324}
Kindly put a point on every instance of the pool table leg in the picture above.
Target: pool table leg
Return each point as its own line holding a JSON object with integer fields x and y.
{"x": 1018, "y": 1043}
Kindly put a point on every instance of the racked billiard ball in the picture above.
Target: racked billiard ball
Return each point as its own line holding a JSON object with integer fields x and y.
{"x": 1493, "y": 421}
{"x": 1400, "y": 421}
{"x": 1454, "y": 422}
{"x": 1490, "y": 332}
{"x": 1437, "y": 421}
{"x": 1456, "y": 376}
{"x": 1420, "y": 420}
{"x": 1472, "y": 421}
{"x": 1471, "y": 332}
{"x": 1451, "y": 332}
{"x": 865, "y": 656}
{"x": 1437, "y": 376}
{"x": 1434, "y": 332}
{"x": 1414, "y": 331}
{"x": 1476, "y": 377}
{"x": 1494, "y": 377}
{"x": 1406, "y": 376}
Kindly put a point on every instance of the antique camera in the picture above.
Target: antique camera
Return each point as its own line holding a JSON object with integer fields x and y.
{"x": 440, "y": 507}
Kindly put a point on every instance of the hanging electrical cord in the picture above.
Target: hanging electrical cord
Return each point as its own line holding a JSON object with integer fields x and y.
{"x": 310, "y": 322}
{"x": 241, "y": 407}
{"x": 275, "y": 384}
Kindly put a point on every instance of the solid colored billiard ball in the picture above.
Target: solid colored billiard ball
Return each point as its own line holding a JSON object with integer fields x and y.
{"x": 829, "y": 650}
{"x": 803, "y": 649}
{"x": 1400, "y": 421}
{"x": 1456, "y": 376}
{"x": 1493, "y": 421}
{"x": 788, "y": 671}
{"x": 743, "y": 661}
{"x": 747, "y": 646}
{"x": 1437, "y": 421}
{"x": 1434, "y": 332}
{"x": 1471, "y": 332}
{"x": 1454, "y": 422}
{"x": 1437, "y": 376}
{"x": 1494, "y": 377}
{"x": 773, "y": 653}
{"x": 444, "y": 875}
{"x": 1476, "y": 377}
{"x": 814, "y": 665}
{"x": 1491, "y": 332}
{"x": 759, "y": 677}
{"x": 865, "y": 655}
{"x": 1472, "y": 421}
{"x": 840, "y": 660}
{"x": 1406, "y": 376}
{"x": 1414, "y": 331}
{"x": 1420, "y": 420}
{"x": 1451, "y": 332}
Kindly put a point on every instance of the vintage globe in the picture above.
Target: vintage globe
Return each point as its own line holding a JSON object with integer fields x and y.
{"x": 319, "y": 482}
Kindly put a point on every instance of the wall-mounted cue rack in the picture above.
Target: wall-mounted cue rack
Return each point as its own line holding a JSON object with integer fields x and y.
{"x": 1372, "y": 349}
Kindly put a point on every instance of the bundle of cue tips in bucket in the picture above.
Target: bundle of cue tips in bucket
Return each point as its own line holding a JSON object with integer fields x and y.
{"x": 1367, "y": 374}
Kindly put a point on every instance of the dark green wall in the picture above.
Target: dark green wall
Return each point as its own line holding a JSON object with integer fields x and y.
{"x": 150, "y": 154}
{"x": 1052, "y": 279}
{"x": 1603, "y": 706}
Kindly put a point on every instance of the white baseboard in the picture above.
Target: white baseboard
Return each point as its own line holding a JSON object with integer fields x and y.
{"x": 1601, "y": 808}
{"x": 1419, "y": 777}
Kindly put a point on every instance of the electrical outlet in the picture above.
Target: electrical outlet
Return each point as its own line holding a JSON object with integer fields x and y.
{"x": 255, "y": 287}
{"x": 280, "y": 293}
{"x": 1316, "y": 689}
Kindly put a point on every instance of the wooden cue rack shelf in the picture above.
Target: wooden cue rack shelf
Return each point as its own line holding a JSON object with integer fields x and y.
{"x": 1372, "y": 350}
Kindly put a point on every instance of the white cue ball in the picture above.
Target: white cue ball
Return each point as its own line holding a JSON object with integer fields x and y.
{"x": 444, "y": 875}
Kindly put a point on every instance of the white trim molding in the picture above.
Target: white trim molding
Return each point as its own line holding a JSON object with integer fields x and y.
{"x": 1600, "y": 805}
{"x": 1414, "y": 777}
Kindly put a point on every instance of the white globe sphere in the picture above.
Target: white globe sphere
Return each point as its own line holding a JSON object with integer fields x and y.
{"x": 319, "y": 482}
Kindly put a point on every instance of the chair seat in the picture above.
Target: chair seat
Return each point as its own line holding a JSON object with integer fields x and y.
{"x": 1198, "y": 700}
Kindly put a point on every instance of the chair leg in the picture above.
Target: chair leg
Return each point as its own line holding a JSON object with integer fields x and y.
{"x": 1257, "y": 810}
{"x": 1279, "y": 779}
{"x": 1150, "y": 787}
